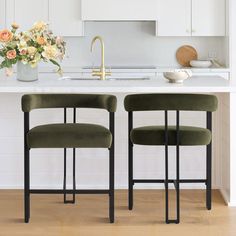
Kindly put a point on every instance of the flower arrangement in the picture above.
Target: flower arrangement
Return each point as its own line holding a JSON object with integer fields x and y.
{"x": 30, "y": 47}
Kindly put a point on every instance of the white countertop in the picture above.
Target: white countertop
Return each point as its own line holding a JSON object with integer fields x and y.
{"x": 209, "y": 84}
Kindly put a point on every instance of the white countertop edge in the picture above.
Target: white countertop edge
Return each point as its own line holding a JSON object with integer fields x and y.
{"x": 72, "y": 69}
{"x": 102, "y": 90}
{"x": 197, "y": 84}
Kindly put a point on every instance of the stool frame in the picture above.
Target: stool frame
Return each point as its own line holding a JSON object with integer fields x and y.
{"x": 28, "y": 191}
{"x": 167, "y": 181}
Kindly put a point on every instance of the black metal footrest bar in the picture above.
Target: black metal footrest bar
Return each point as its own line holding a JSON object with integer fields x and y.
{"x": 172, "y": 221}
{"x": 77, "y": 191}
{"x": 182, "y": 181}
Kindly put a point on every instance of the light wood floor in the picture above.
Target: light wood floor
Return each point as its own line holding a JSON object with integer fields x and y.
{"x": 49, "y": 216}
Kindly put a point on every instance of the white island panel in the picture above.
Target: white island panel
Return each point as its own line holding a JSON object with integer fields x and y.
{"x": 11, "y": 91}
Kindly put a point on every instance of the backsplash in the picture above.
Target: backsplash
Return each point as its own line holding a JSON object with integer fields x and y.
{"x": 135, "y": 43}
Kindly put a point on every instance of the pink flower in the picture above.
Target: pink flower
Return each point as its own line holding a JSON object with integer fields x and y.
{"x": 11, "y": 54}
{"x": 59, "y": 40}
{"x": 23, "y": 52}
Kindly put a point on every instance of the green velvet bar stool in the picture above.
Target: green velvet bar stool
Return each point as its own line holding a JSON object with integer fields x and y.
{"x": 167, "y": 135}
{"x": 68, "y": 135}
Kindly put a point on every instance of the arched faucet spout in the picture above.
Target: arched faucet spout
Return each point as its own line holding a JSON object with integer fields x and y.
{"x": 102, "y": 73}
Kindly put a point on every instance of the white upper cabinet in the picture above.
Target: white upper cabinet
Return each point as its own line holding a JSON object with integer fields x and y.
{"x": 191, "y": 18}
{"x": 208, "y": 17}
{"x": 26, "y": 12}
{"x": 119, "y": 10}
{"x": 2, "y": 14}
{"x": 65, "y": 17}
{"x": 174, "y": 18}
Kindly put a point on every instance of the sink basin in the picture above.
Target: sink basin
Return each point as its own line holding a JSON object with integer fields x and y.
{"x": 108, "y": 79}
{"x": 131, "y": 78}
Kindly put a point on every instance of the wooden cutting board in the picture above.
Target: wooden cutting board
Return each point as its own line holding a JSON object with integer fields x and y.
{"x": 185, "y": 54}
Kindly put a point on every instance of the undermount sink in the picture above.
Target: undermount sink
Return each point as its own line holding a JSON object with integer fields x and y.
{"x": 108, "y": 78}
{"x": 131, "y": 78}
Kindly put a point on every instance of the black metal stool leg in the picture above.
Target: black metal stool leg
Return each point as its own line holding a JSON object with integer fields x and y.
{"x": 74, "y": 179}
{"x": 27, "y": 185}
{"x": 177, "y": 190}
{"x": 112, "y": 172}
{"x": 111, "y": 186}
{"x": 166, "y": 185}
{"x": 131, "y": 184}
{"x": 177, "y": 169}
{"x": 130, "y": 164}
{"x": 166, "y": 168}
{"x": 209, "y": 166}
{"x": 74, "y": 176}
{"x": 74, "y": 160}
{"x": 65, "y": 164}
{"x": 209, "y": 184}
{"x": 177, "y": 181}
{"x": 64, "y": 180}
{"x": 26, "y": 170}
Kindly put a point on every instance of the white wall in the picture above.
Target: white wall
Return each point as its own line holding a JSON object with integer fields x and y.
{"x": 135, "y": 43}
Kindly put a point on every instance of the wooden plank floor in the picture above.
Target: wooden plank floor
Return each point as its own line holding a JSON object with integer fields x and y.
{"x": 49, "y": 216}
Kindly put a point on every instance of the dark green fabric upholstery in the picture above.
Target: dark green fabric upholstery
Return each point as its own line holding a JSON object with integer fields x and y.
{"x": 36, "y": 101}
{"x": 69, "y": 136}
{"x": 155, "y": 135}
{"x": 182, "y": 102}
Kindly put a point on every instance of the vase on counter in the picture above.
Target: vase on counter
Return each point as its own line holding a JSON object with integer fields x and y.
{"x": 26, "y": 73}
{"x": 38, "y": 44}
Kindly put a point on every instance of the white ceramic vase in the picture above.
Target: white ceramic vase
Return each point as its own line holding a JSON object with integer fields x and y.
{"x": 26, "y": 73}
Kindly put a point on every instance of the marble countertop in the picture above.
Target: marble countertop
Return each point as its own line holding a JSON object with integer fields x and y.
{"x": 197, "y": 84}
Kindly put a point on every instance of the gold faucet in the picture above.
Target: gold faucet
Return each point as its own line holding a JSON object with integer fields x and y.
{"x": 102, "y": 72}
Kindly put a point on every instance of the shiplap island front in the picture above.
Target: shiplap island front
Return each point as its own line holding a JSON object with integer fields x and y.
{"x": 11, "y": 140}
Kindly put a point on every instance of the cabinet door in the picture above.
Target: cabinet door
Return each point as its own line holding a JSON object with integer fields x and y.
{"x": 26, "y": 12}
{"x": 65, "y": 17}
{"x": 208, "y": 17}
{"x": 174, "y": 18}
{"x": 119, "y": 10}
{"x": 2, "y": 14}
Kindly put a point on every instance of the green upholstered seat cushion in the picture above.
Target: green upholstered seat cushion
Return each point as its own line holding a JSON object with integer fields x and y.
{"x": 69, "y": 136}
{"x": 155, "y": 135}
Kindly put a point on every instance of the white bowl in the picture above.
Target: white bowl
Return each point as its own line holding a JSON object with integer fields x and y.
{"x": 176, "y": 77}
{"x": 201, "y": 63}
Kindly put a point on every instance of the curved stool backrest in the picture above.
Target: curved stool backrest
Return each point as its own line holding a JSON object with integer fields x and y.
{"x": 38, "y": 101}
{"x": 174, "y": 102}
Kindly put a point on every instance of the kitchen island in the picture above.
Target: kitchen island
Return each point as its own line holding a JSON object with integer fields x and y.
{"x": 224, "y": 149}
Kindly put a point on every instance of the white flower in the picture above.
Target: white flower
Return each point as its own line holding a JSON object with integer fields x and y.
{"x": 50, "y": 52}
{"x": 40, "y": 26}
{"x": 31, "y": 50}
{"x": 22, "y": 45}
